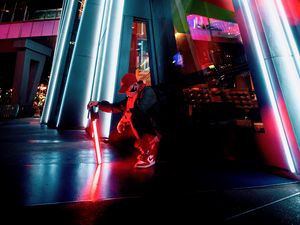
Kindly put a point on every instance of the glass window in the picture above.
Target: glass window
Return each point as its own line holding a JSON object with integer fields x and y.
{"x": 139, "y": 52}
{"x": 215, "y": 61}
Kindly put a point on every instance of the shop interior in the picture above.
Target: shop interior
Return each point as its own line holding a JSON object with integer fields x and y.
{"x": 220, "y": 100}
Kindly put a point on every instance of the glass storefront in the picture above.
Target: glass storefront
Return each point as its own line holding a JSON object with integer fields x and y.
{"x": 139, "y": 52}
{"x": 220, "y": 86}
{"x": 219, "y": 95}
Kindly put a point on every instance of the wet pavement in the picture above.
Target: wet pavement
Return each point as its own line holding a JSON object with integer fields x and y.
{"x": 52, "y": 175}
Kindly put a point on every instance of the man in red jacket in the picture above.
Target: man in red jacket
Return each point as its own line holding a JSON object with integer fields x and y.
{"x": 140, "y": 113}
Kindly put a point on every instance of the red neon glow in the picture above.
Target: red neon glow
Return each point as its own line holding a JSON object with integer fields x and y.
{"x": 292, "y": 9}
{"x": 225, "y": 4}
{"x": 92, "y": 189}
{"x": 96, "y": 140}
{"x": 95, "y": 184}
{"x": 287, "y": 123}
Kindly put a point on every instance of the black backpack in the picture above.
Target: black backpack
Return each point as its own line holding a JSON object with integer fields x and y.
{"x": 169, "y": 109}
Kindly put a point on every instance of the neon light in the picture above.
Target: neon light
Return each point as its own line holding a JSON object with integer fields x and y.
{"x": 274, "y": 25}
{"x": 291, "y": 66}
{"x": 92, "y": 85}
{"x": 106, "y": 120}
{"x": 106, "y": 61}
{"x": 109, "y": 92}
{"x": 63, "y": 100}
{"x": 289, "y": 33}
{"x": 101, "y": 52}
{"x": 283, "y": 37}
{"x": 286, "y": 65}
{"x": 96, "y": 140}
{"x": 59, "y": 49}
{"x": 114, "y": 34}
{"x": 105, "y": 71}
{"x": 267, "y": 80}
{"x": 90, "y": 70}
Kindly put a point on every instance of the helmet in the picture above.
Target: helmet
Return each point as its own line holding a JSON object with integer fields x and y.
{"x": 127, "y": 80}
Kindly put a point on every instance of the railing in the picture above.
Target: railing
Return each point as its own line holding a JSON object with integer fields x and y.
{"x": 46, "y": 14}
{"x": 35, "y": 28}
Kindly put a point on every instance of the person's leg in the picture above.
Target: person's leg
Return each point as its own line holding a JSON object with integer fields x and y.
{"x": 148, "y": 146}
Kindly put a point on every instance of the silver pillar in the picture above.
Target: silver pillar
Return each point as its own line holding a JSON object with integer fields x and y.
{"x": 94, "y": 62}
{"x": 274, "y": 61}
{"x": 66, "y": 24}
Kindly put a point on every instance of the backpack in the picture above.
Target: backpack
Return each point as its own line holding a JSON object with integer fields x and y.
{"x": 169, "y": 108}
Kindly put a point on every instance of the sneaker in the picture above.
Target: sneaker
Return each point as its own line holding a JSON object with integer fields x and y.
{"x": 145, "y": 162}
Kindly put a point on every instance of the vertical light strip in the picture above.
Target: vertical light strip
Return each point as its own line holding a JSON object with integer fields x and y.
{"x": 60, "y": 48}
{"x": 286, "y": 42}
{"x": 107, "y": 117}
{"x": 93, "y": 75}
{"x": 289, "y": 33}
{"x": 106, "y": 67}
{"x": 267, "y": 80}
{"x": 92, "y": 54}
{"x": 286, "y": 51}
{"x": 62, "y": 103}
{"x": 288, "y": 66}
{"x": 98, "y": 76}
{"x": 101, "y": 59}
{"x": 114, "y": 28}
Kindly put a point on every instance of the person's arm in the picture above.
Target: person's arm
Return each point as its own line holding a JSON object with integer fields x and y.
{"x": 106, "y": 106}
